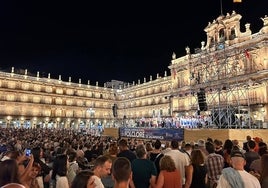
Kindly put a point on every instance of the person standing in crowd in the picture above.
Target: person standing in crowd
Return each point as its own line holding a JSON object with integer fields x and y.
{"x": 245, "y": 144}
{"x": 44, "y": 176}
{"x": 84, "y": 179}
{"x": 102, "y": 168}
{"x": 27, "y": 172}
{"x": 236, "y": 176}
{"x": 214, "y": 164}
{"x": 73, "y": 166}
{"x": 124, "y": 150}
{"x": 59, "y": 172}
{"x": 88, "y": 153}
{"x": 236, "y": 145}
{"x": 9, "y": 174}
{"x": 156, "y": 155}
{"x": 227, "y": 148}
{"x": 121, "y": 172}
{"x": 255, "y": 166}
{"x": 188, "y": 149}
{"x": 156, "y": 150}
{"x": 149, "y": 148}
{"x": 182, "y": 162}
{"x": 201, "y": 145}
{"x": 250, "y": 155}
{"x": 218, "y": 147}
{"x": 144, "y": 171}
{"x": 107, "y": 181}
{"x": 169, "y": 176}
{"x": 198, "y": 168}
{"x": 30, "y": 181}
{"x": 264, "y": 171}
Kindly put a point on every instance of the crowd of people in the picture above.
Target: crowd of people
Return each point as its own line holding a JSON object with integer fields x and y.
{"x": 62, "y": 158}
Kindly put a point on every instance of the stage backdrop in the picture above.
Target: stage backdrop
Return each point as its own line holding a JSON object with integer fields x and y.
{"x": 155, "y": 133}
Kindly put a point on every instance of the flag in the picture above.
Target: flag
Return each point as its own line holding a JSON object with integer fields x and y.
{"x": 247, "y": 54}
{"x": 237, "y": 1}
{"x": 174, "y": 73}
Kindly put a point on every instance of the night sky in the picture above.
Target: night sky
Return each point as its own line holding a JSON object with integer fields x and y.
{"x": 113, "y": 40}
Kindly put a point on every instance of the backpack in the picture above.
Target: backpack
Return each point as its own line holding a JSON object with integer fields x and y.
{"x": 157, "y": 162}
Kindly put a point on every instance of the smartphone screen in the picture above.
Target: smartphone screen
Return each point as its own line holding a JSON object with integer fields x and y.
{"x": 28, "y": 152}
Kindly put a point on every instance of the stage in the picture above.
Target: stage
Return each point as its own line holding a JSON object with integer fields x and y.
{"x": 221, "y": 134}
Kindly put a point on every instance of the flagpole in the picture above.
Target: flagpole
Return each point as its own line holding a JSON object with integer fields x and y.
{"x": 221, "y": 6}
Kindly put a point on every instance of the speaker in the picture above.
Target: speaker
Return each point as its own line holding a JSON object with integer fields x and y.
{"x": 201, "y": 97}
{"x": 114, "y": 108}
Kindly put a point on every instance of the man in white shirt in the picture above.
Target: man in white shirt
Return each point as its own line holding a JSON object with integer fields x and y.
{"x": 236, "y": 176}
{"x": 182, "y": 162}
{"x": 102, "y": 168}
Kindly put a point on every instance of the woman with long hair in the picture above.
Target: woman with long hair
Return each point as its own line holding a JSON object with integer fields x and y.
{"x": 60, "y": 171}
{"x": 30, "y": 180}
{"x": 9, "y": 174}
{"x": 199, "y": 171}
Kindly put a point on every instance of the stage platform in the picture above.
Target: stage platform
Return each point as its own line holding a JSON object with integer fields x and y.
{"x": 221, "y": 134}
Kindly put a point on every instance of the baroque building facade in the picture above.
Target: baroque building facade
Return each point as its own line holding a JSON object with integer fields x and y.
{"x": 223, "y": 83}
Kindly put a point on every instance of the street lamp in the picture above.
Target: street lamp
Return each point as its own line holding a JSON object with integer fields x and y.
{"x": 8, "y": 121}
{"x": 91, "y": 112}
{"x": 22, "y": 122}
{"x": 58, "y": 121}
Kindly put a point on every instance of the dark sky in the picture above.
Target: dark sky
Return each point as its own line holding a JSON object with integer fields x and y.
{"x": 104, "y": 40}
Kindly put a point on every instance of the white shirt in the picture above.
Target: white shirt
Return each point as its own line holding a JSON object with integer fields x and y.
{"x": 98, "y": 182}
{"x": 62, "y": 182}
{"x": 250, "y": 181}
{"x": 181, "y": 160}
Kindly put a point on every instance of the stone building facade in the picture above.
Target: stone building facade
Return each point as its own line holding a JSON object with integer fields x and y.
{"x": 224, "y": 82}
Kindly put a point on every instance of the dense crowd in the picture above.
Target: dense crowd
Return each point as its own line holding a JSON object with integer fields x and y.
{"x": 61, "y": 158}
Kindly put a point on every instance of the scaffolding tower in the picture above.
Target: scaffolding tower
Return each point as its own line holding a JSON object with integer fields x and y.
{"x": 219, "y": 78}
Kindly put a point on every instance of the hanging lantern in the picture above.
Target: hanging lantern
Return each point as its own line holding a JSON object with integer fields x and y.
{"x": 237, "y": 1}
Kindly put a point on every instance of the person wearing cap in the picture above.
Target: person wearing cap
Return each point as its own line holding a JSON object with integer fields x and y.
{"x": 236, "y": 176}
{"x": 201, "y": 145}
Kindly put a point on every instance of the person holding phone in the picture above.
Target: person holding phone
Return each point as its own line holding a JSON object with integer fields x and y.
{"x": 28, "y": 177}
{"x": 28, "y": 152}
{"x": 44, "y": 175}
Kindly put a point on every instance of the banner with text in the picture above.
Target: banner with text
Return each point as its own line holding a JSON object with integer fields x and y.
{"x": 152, "y": 133}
